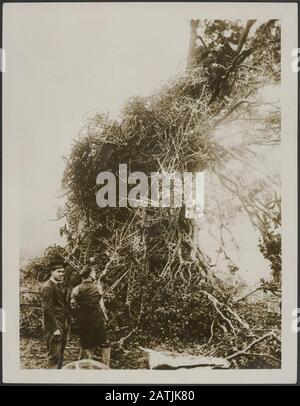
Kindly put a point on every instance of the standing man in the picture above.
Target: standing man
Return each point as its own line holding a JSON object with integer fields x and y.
{"x": 87, "y": 302}
{"x": 54, "y": 305}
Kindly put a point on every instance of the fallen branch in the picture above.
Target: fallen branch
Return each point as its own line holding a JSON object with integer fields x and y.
{"x": 211, "y": 331}
{"x": 215, "y": 301}
{"x": 225, "y": 318}
{"x": 263, "y": 287}
{"x": 248, "y": 294}
{"x": 244, "y": 350}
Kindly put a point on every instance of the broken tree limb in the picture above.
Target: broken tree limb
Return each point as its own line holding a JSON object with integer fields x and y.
{"x": 244, "y": 35}
{"x": 248, "y": 294}
{"x": 224, "y": 317}
{"x": 244, "y": 350}
{"x": 215, "y": 301}
{"x": 264, "y": 288}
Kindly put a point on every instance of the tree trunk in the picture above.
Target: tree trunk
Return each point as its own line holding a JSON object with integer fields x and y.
{"x": 194, "y": 24}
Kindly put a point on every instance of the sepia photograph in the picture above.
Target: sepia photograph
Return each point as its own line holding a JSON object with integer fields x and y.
{"x": 147, "y": 153}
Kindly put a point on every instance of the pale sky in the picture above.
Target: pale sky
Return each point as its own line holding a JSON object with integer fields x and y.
{"x": 64, "y": 62}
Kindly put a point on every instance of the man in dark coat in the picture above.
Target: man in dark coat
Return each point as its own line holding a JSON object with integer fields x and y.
{"x": 87, "y": 303}
{"x": 55, "y": 313}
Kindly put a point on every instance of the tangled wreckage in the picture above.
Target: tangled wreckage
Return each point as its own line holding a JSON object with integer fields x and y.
{"x": 158, "y": 284}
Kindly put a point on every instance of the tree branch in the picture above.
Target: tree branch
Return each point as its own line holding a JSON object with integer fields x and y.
{"x": 244, "y": 350}
{"x": 244, "y": 35}
{"x": 215, "y": 302}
